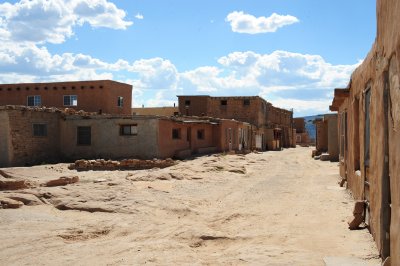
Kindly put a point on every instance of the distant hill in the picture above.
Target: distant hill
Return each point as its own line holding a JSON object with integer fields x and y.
{"x": 310, "y": 127}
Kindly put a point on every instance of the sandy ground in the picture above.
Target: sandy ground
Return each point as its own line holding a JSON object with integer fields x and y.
{"x": 271, "y": 208}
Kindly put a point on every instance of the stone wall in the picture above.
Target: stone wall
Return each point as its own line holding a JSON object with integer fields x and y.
{"x": 25, "y": 148}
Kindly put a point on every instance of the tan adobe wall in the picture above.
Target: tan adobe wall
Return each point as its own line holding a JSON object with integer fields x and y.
{"x": 379, "y": 73}
{"x": 321, "y": 141}
{"x": 5, "y": 142}
{"x": 188, "y": 139}
{"x": 299, "y": 124}
{"x": 92, "y": 95}
{"x": 25, "y": 148}
{"x": 333, "y": 143}
{"x": 161, "y": 111}
{"x": 254, "y": 113}
{"x": 198, "y": 105}
{"x": 106, "y": 140}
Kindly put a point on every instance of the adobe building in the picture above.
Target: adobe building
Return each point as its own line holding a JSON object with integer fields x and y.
{"x": 369, "y": 129}
{"x": 105, "y": 96}
{"x": 326, "y": 138}
{"x": 301, "y": 134}
{"x": 274, "y": 125}
{"x": 161, "y": 111}
{"x": 36, "y": 135}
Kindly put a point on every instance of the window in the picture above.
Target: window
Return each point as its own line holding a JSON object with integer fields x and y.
{"x": 34, "y": 100}
{"x": 200, "y": 134}
{"x": 128, "y": 130}
{"x": 120, "y": 101}
{"x": 39, "y": 130}
{"x": 224, "y": 102}
{"x": 84, "y": 136}
{"x": 176, "y": 133}
{"x": 246, "y": 102}
{"x": 70, "y": 100}
{"x": 187, "y": 103}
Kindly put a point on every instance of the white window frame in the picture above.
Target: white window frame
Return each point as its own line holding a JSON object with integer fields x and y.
{"x": 37, "y": 100}
{"x": 133, "y": 130}
{"x": 71, "y": 100}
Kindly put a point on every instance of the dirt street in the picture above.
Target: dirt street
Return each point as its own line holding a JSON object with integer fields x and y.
{"x": 271, "y": 208}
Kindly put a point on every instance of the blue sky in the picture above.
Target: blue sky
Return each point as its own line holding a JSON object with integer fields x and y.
{"x": 291, "y": 52}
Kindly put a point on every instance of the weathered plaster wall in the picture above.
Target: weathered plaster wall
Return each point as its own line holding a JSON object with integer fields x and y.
{"x": 321, "y": 136}
{"x": 106, "y": 141}
{"x": 27, "y": 149}
{"x": 379, "y": 70}
{"x": 92, "y": 95}
{"x": 169, "y": 146}
{"x": 333, "y": 146}
{"x": 4, "y": 139}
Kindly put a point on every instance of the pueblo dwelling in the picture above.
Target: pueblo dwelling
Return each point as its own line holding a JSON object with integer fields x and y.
{"x": 369, "y": 128}
{"x": 274, "y": 126}
{"x": 326, "y": 138}
{"x": 32, "y": 135}
{"x": 302, "y": 137}
{"x": 92, "y": 96}
{"x": 93, "y": 119}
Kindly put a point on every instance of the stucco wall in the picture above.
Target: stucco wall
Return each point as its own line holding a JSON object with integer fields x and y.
{"x": 333, "y": 144}
{"x": 24, "y": 147}
{"x": 168, "y": 147}
{"x": 4, "y": 139}
{"x": 380, "y": 73}
{"x": 91, "y": 95}
{"x": 106, "y": 141}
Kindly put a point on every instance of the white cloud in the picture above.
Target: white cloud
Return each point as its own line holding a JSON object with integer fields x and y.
{"x": 139, "y": 16}
{"x": 40, "y": 21}
{"x": 289, "y": 80}
{"x": 303, "y": 106}
{"x": 245, "y": 23}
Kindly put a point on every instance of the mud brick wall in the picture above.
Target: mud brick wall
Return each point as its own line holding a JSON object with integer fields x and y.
{"x": 379, "y": 76}
{"x": 27, "y": 149}
{"x": 92, "y": 95}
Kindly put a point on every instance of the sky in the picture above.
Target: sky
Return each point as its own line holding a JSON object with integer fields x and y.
{"x": 293, "y": 53}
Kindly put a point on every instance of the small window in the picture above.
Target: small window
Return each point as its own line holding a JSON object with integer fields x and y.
{"x": 187, "y": 103}
{"x": 224, "y": 102}
{"x": 39, "y": 130}
{"x": 128, "y": 130}
{"x": 70, "y": 100}
{"x": 84, "y": 136}
{"x": 176, "y": 133}
{"x": 200, "y": 134}
{"x": 120, "y": 101}
{"x": 246, "y": 102}
{"x": 34, "y": 100}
